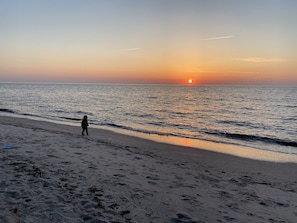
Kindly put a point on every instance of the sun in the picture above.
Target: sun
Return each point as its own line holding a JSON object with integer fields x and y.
{"x": 190, "y": 81}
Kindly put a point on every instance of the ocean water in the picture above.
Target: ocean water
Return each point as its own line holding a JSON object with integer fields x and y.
{"x": 263, "y": 118}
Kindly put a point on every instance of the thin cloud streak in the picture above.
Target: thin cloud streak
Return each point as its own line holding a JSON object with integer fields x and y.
{"x": 261, "y": 60}
{"x": 129, "y": 49}
{"x": 219, "y": 38}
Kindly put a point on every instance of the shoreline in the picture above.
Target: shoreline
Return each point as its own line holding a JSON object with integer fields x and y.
{"x": 228, "y": 149}
{"x": 54, "y": 174}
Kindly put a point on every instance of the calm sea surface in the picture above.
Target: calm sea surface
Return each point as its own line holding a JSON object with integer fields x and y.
{"x": 264, "y": 118}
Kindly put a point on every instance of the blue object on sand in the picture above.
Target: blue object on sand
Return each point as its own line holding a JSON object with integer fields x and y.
{"x": 7, "y": 147}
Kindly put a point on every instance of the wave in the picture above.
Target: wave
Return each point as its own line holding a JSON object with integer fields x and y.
{"x": 84, "y": 113}
{"x": 234, "y": 136}
{"x": 140, "y": 130}
{"x": 139, "y": 115}
{"x": 291, "y": 106}
{"x": 290, "y": 119}
{"x": 7, "y": 110}
{"x": 237, "y": 123}
{"x": 253, "y": 138}
{"x": 72, "y": 119}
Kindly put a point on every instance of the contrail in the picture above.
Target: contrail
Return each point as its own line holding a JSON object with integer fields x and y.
{"x": 130, "y": 49}
{"x": 219, "y": 37}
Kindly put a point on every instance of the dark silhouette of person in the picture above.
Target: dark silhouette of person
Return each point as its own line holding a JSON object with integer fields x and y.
{"x": 84, "y": 125}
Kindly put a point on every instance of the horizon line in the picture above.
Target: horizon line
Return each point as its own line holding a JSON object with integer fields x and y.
{"x": 155, "y": 83}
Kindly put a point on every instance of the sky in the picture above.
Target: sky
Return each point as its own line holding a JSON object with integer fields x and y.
{"x": 155, "y": 41}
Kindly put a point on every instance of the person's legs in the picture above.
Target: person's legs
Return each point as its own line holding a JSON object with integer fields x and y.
{"x": 86, "y": 129}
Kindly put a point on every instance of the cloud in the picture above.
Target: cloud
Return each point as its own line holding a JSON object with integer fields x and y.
{"x": 130, "y": 49}
{"x": 261, "y": 60}
{"x": 219, "y": 38}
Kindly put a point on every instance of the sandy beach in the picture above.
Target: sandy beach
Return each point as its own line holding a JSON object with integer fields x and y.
{"x": 53, "y": 174}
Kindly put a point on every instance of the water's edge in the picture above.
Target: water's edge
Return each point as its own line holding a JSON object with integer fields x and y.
{"x": 225, "y": 148}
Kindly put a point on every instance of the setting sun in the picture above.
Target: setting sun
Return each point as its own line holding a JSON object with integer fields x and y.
{"x": 190, "y": 81}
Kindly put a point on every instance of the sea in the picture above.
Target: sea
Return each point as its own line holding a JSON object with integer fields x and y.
{"x": 262, "y": 118}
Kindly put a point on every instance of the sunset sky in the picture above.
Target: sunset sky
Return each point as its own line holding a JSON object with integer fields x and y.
{"x": 153, "y": 41}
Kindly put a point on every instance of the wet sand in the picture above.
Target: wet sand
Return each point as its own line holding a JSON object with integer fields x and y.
{"x": 53, "y": 174}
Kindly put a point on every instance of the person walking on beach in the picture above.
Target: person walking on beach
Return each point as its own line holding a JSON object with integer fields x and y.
{"x": 84, "y": 125}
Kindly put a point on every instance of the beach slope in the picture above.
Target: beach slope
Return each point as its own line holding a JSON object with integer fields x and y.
{"x": 53, "y": 174}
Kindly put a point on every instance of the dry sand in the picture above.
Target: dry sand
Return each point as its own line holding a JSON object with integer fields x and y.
{"x": 53, "y": 174}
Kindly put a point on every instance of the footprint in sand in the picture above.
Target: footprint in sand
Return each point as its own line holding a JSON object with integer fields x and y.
{"x": 184, "y": 218}
{"x": 152, "y": 179}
